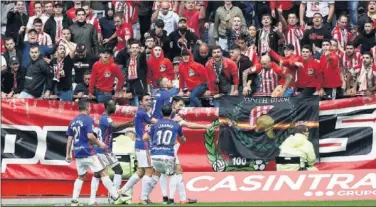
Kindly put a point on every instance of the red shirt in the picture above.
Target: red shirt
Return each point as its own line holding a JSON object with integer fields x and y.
{"x": 192, "y": 74}
{"x": 123, "y": 32}
{"x": 129, "y": 10}
{"x": 230, "y": 69}
{"x": 95, "y": 22}
{"x": 288, "y": 62}
{"x": 286, "y": 5}
{"x": 193, "y": 18}
{"x": 331, "y": 72}
{"x": 71, "y": 13}
{"x": 103, "y": 77}
{"x": 159, "y": 67}
{"x": 310, "y": 76}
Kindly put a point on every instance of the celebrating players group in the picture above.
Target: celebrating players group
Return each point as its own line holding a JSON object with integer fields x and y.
{"x": 157, "y": 126}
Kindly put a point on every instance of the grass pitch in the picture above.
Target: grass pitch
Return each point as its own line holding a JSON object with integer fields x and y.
{"x": 301, "y": 203}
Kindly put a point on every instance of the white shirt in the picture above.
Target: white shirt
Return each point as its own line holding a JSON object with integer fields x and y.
{"x": 43, "y": 17}
{"x": 170, "y": 20}
{"x": 321, "y": 7}
{"x": 3, "y": 61}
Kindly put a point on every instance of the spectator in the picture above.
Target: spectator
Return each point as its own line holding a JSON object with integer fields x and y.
{"x": 266, "y": 38}
{"x": 234, "y": 30}
{"x": 350, "y": 59}
{"x": 363, "y": 78}
{"x": 92, "y": 19}
{"x": 309, "y": 76}
{"x": 136, "y": 69}
{"x": 286, "y": 6}
{"x": 159, "y": 66}
{"x": 291, "y": 30}
{"x": 269, "y": 74}
{"x": 38, "y": 14}
{"x": 366, "y": 39}
{"x": 103, "y": 76}
{"x": 6, "y": 7}
{"x": 309, "y": 9}
{"x": 176, "y": 62}
{"x": 243, "y": 63}
{"x": 261, "y": 8}
{"x": 144, "y": 16}
{"x": 67, "y": 35}
{"x": 368, "y": 17}
{"x": 3, "y": 64}
{"x": 252, "y": 31}
{"x": 43, "y": 38}
{"x": 16, "y": 20}
{"x": 222, "y": 76}
{"x": 149, "y": 44}
{"x": 12, "y": 81}
{"x": 84, "y": 33}
{"x": 168, "y": 16}
{"x": 223, "y": 15}
{"x": 160, "y": 36}
{"x": 193, "y": 77}
{"x": 39, "y": 75}
{"x": 248, "y": 51}
{"x": 107, "y": 24}
{"x": 71, "y": 13}
{"x": 11, "y": 51}
{"x": 173, "y": 5}
{"x": 332, "y": 76}
{"x": 182, "y": 38}
{"x": 123, "y": 33}
{"x": 189, "y": 11}
{"x": 48, "y": 8}
{"x": 99, "y": 8}
{"x": 82, "y": 89}
{"x": 32, "y": 37}
{"x": 341, "y": 33}
{"x": 316, "y": 35}
{"x": 55, "y": 24}
{"x": 62, "y": 66}
{"x": 203, "y": 55}
{"x": 83, "y": 62}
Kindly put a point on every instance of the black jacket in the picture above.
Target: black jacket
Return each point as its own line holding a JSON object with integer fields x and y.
{"x": 176, "y": 46}
{"x": 316, "y": 36}
{"x": 363, "y": 18}
{"x": 38, "y": 74}
{"x": 138, "y": 86}
{"x": 367, "y": 41}
{"x": 7, "y": 56}
{"x": 50, "y": 26}
{"x": 7, "y": 79}
{"x": 163, "y": 41}
{"x": 273, "y": 40}
{"x": 14, "y": 23}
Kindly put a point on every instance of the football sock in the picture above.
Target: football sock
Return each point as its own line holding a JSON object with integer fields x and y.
{"x": 163, "y": 183}
{"x": 130, "y": 183}
{"x": 117, "y": 180}
{"x": 93, "y": 188}
{"x": 181, "y": 187}
{"x": 146, "y": 182}
{"x": 110, "y": 187}
{"x": 77, "y": 188}
{"x": 173, "y": 186}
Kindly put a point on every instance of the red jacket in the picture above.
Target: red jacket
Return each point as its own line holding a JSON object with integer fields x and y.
{"x": 286, "y": 5}
{"x": 288, "y": 62}
{"x": 71, "y": 13}
{"x": 331, "y": 72}
{"x": 103, "y": 77}
{"x": 192, "y": 74}
{"x": 230, "y": 70}
{"x": 159, "y": 67}
{"x": 310, "y": 76}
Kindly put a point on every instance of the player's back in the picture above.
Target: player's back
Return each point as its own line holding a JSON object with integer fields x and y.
{"x": 79, "y": 127}
{"x": 163, "y": 135}
{"x": 104, "y": 133}
{"x": 161, "y": 98}
{"x": 142, "y": 118}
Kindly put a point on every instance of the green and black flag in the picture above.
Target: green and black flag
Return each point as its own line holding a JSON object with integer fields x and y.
{"x": 255, "y": 127}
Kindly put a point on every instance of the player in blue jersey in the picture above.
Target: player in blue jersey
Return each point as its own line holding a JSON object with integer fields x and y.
{"x": 80, "y": 133}
{"x": 104, "y": 133}
{"x": 163, "y": 136}
{"x": 162, "y": 97}
{"x": 142, "y": 119}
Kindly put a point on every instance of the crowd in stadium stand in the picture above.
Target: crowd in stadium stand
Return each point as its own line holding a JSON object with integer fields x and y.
{"x": 120, "y": 49}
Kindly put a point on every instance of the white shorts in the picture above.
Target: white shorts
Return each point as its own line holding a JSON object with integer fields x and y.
{"x": 109, "y": 159}
{"x": 143, "y": 158}
{"x": 163, "y": 164}
{"x": 176, "y": 148}
{"x": 94, "y": 162}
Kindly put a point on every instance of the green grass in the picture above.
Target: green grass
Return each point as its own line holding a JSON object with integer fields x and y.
{"x": 301, "y": 203}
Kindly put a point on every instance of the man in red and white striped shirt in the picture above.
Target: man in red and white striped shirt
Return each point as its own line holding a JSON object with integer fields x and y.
{"x": 129, "y": 10}
{"x": 93, "y": 20}
{"x": 249, "y": 51}
{"x": 293, "y": 32}
{"x": 350, "y": 59}
{"x": 341, "y": 33}
{"x": 43, "y": 38}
